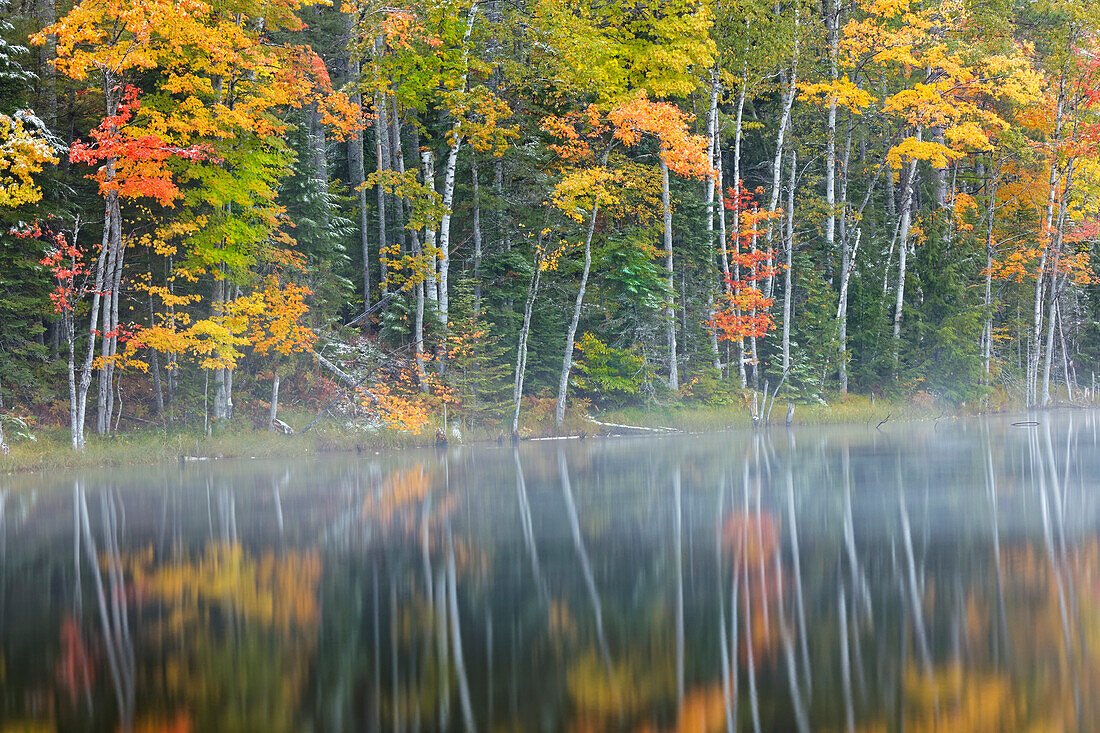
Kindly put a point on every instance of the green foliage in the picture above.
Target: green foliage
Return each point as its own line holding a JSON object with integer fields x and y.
{"x": 607, "y": 374}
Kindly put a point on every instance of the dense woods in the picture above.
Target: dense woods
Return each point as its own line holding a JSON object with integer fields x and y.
{"x": 539, "y": 208}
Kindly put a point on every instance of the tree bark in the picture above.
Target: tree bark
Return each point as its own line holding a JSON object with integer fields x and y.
{"x": 427, "y": 166}
{"x": 357, "y": 173}
{"x": 903, "y": 251}
{"x": 477, "y": 237}
{"x": 737, "y": 207}
{"x": 788, "y": 248}
{"x": 273, "y": 413}
{"x": 567, "y": 360}
{"x": 670, "y": 320}
{"x": 1034, "y": 346}
{"x": 525, "y": 331}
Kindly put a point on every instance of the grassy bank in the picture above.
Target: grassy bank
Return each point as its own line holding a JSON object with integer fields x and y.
{"x": 51, "y": 451}
{"x": 855, "y": 409}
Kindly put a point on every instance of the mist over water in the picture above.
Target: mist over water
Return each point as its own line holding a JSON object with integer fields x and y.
{"x": 922, "y": 576}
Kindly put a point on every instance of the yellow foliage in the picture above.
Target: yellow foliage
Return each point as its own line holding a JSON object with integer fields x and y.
{"x": 22, "y": 155}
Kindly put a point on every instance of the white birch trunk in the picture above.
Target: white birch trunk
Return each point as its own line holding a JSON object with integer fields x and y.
{"x": 670, "y": 322}
{"x": 567, "y": 360}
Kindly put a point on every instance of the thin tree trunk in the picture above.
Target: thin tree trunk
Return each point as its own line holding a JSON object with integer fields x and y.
{"x": 427, "y": 166}
{"x": 525, "y": 331}
{"x": 1037, "y": 321}
{"x": 448, "y": 195}
{"x": 712, "y": 183}
{"x": 1055, "y": 289}
{"x": 784, "y": 122}
{"x": 903, "y": 251}
{"x": 670, "y": 317}
{"x": 477, "y": 238}
{"x": 737, "y": 206}
{"x": 567, "y": 360}
{"x": 847, "y": 263}
{"x": 987, "y": 334}
{"x": 154, "y": 358}
{"x": 788, "y": 248}
{"x": 273, "y": 413}
{"x": 356, "y": 164}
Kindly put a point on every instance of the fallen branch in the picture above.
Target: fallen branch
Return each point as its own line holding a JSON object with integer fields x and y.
{"x": 630, "y": 427}
{"x": 882, "y": 422}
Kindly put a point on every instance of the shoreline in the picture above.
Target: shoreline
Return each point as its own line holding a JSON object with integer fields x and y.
{"x": 51, "y": 451}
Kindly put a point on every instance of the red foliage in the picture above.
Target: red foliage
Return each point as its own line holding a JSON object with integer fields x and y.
{"x": 139, "y": 162}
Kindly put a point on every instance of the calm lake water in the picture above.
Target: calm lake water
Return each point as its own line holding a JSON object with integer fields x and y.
{"x": 925, "y": 576}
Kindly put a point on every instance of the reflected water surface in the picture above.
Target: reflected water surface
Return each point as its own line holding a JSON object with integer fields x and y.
{"x": 925, "y": 576}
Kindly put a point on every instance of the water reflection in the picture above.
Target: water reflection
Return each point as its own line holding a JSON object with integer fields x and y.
{"x": 939, "y": 577}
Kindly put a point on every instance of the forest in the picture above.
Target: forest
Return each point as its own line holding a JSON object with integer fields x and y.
{"x": 399, "y": 214}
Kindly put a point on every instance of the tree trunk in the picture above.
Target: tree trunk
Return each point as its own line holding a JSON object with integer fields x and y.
{"x": 427, "y": 166}
{"x": 903, "y": 251}
{"x": 357, "y": 173}
{"x": 987, "y": 302}
{"x": 1037, "y": 316}
{"x": 274, "y": 411}
{"x": 567, "y": 360}
{"x": 784, "y": 122}
{"x": 525, "y": 331}
{"x": 382, "y": 159}
{"x": 847, "y": 262}
{"x": 711, "y": 185}
{"x": 671, "y": 305}
{"x": 1056, "y": 282}
{"x": 788, "y": 248}
{"x": 737, "y": 207}
{"x": 448, "y": 196}
{"x": 3, "y": 446}
{"x": 93, "y": 327}
{"x": 477, "y": 238}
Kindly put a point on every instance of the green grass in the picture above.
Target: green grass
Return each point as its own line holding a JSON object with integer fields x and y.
{"x": 854, "y": 410}
{"x": 51, "y": 450}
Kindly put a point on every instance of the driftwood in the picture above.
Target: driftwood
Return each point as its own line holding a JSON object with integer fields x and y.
{"x": 282, "y": 427}
{"x": 620, "y": 426}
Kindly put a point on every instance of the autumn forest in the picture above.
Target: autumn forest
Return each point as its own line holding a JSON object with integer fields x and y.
{"x": 395, "y": 214}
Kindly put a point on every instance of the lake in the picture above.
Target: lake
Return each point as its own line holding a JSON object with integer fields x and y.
{"x": 918, "y": 576}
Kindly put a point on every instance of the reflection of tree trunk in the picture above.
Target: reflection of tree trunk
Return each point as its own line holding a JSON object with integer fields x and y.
{"x": 456, "y": 640}
{"x": 678, "y": 550}
{"x": 845, "y": 659}
{"x": 916, "y": 601}
{"x": 754, "y": 703}
{"x": 582, "y": 555}
{"x": 528, "y": 527}
{"x": 113, "y": 612}
{"x": 723, "y": 636}
{"x": 788, "y": 652}
{"x": 796, "y": 563}
{"x": 991, "y": 493}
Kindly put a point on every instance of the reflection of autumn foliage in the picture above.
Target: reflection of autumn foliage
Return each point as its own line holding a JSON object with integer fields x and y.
{"x": 180, "y": 723}
{"x": 751, "y": 539}
{"x": 235, "y": 634}
{"x": 954, "y": 699}
{"x": 277, "y": 591}
{"x": 75, "y": 667}
{"x": 399, "y": 499}
{"x": 631, "y": 686}
{"x": 703, "y": 711}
